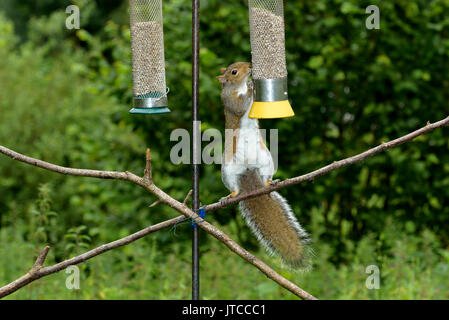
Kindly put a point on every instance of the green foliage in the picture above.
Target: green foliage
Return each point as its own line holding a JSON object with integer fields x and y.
{"x": 44, "y": 219}
{"x": 411, "y": 267}
{"x": 64, "y": 98}
{"x": 77, "y": 239}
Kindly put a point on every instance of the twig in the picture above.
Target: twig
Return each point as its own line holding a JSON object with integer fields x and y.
{"x": 187, "y": 197}
{"x": 155, "y": 203}
{"x": 41, "y": 258}
{"x": 148, "y": 176}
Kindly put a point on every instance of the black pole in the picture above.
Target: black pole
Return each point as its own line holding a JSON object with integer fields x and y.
{"x": 196, "y": 145}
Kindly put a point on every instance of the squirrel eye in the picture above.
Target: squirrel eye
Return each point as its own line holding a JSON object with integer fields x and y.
{"x": 234, "y": 72}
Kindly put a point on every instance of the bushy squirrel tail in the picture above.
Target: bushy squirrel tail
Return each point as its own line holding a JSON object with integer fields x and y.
{"x": 274, "y": 224}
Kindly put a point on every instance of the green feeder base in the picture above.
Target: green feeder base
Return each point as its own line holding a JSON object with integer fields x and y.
{"x": 161, "y": 110}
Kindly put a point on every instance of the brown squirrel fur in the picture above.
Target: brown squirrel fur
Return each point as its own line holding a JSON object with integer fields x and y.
{"x": 269, "y": 216}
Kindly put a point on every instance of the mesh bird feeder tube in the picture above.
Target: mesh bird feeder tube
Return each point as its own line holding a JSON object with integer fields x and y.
{"x": 148, "y": 58}
{"x": 269, "y": 67}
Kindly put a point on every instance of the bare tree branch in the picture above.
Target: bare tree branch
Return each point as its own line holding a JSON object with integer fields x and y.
{"x": 334, "y": 166}
{"x": 154, "y": 204}
{"x": 147, "y": 183}
{"x": 127, "y": 176}
{"x": 37, "y": 271}
{"x": 233, "y": 246}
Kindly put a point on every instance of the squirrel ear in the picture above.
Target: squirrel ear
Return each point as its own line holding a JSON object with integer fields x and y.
{"x": 222, "y": 70}
{"x": 222, "y": 79}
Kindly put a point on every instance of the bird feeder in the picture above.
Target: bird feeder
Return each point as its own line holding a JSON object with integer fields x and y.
{"x": 269, "y": 67}
{"x": 148, "y": 59}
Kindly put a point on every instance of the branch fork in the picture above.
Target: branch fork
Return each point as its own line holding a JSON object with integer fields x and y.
{"x": 40, "y": 260}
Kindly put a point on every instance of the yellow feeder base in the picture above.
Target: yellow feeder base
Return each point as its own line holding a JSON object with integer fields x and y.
{"x": 271, "y": 110}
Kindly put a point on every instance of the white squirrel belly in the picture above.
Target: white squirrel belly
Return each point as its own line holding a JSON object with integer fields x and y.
{"x": 250, "y": 152}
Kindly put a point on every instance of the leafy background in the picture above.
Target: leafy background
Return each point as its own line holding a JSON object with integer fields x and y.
{"x": 65, "y": 95}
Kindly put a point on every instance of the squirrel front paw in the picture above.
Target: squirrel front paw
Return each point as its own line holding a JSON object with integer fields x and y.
{"x": 232, "y": 195}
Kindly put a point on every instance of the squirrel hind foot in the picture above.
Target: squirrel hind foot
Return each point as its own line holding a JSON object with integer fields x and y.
{"x": 231, "y": 195}
{"x": 272, "y": 182}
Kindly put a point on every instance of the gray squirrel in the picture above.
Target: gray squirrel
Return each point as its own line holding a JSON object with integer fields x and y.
{"x": 248, "y": 165}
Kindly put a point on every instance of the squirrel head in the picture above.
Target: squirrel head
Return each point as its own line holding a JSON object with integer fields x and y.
{"x": 235, "y": 74}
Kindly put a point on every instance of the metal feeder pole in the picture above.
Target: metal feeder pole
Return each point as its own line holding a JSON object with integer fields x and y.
{"x": 196, "y": 145}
